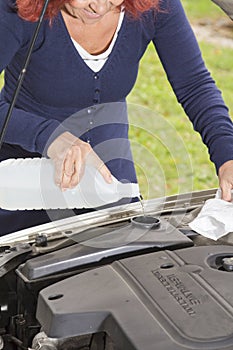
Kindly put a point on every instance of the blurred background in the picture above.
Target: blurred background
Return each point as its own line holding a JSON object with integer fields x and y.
{"x": 177, "y": 173}
{"x": 169, "y": 156}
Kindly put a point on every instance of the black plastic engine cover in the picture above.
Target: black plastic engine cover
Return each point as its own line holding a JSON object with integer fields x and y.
{"x": 97, "y": 244}
{"x": 165, "y": 300}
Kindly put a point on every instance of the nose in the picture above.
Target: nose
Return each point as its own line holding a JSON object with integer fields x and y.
{"x": 100, "y": 6}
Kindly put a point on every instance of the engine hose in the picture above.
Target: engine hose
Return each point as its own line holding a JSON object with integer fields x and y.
{"x": 11, "y": 339}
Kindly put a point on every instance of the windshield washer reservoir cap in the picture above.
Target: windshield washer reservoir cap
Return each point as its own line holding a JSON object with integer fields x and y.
{"x": 146, "y": 221}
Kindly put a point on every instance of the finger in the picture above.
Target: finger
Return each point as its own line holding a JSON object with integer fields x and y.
{"x": 104, "y": 171}
{"x": 78, "y": 174}
{"x": 78, "y": 170}
{"x": 68, "y": 169}
{"x": 65, "y": 184}
{"x": 75, "y": 167}
{"x": 58, "y": 172}
{"x": 226, "y": 191}
{"x": 94, "y": 160}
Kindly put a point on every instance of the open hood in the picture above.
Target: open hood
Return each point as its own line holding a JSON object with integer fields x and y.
{"x": 226, "y": 6}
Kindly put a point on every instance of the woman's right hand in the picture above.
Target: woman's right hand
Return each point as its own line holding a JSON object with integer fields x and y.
{"x": 70, "y": 154}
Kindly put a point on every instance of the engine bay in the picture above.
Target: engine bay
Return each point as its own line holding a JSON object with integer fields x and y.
{"x": 108, "y": 280}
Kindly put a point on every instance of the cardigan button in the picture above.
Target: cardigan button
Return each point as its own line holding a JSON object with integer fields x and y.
{"x": 96, "y": 76}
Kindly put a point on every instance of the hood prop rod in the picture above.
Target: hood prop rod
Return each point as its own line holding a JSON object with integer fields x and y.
{"x": 22, "y": 73}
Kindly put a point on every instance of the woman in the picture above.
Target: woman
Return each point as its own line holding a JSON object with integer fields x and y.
{"x": 86, "y": 59}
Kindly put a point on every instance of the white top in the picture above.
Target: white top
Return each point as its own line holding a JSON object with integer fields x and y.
{"x": 96, "y": 62}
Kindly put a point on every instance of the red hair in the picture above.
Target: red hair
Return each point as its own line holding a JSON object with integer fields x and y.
{"x": 31, "y": 9}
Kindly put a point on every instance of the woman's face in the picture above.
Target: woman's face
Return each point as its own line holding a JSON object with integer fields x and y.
{"x": 91, "y": 11}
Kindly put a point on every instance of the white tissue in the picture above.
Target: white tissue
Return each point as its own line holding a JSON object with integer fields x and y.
{"x": 215, "y": 218}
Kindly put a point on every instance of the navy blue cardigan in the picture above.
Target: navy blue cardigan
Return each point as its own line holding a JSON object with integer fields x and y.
{"x": 59, "y": 84}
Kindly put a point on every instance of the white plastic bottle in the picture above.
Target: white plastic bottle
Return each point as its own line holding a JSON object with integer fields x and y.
{"x": 29, "y": 184}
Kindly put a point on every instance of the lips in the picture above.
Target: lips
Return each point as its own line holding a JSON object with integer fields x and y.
{"x": 91, "y": 15}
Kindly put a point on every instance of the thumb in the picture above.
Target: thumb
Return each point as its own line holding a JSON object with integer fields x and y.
{"x": 104, "y": 171}
{"x": 94, "y": 160}
{"x": 226, "y": 192}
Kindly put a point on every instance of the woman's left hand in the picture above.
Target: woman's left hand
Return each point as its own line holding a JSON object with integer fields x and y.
{"x": 225, "y": 175}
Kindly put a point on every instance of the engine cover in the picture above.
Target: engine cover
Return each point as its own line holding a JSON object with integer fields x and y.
{"x": 169, "y": 300}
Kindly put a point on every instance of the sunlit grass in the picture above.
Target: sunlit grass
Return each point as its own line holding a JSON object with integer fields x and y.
{"x": 1, "y": 79}
{"x": 197, "y": 9}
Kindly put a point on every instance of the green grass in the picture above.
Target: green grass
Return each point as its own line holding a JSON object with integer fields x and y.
{"x": 1, "y": 79}
{"x": 170, "y": 157}
{"x": 199, "y": 9}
